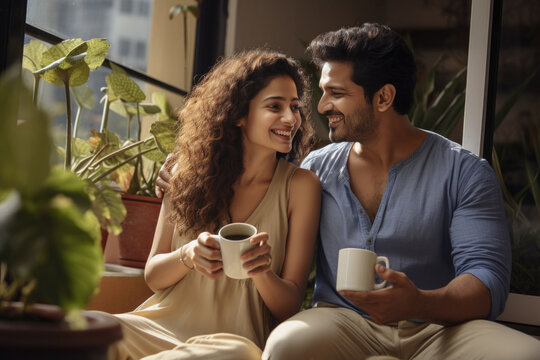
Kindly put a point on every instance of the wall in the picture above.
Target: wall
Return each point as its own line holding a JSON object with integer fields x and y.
{"x": 282, "y": 24}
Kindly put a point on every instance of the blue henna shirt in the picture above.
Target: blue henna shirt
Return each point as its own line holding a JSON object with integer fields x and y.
{"x": 441, "y": 215}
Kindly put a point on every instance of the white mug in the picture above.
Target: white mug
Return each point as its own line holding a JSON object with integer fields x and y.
{"x": 234, "y": 240}
{"x": 356, "y": 270}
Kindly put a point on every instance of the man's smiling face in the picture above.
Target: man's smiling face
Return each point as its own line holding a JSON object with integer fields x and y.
{"x": 343, "y": 102}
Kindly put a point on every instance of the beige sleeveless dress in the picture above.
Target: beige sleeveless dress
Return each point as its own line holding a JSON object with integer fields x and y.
{"x": 204, "y": 318}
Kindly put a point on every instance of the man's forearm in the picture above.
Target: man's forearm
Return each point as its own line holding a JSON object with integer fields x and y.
{"x": 464, "y": 298}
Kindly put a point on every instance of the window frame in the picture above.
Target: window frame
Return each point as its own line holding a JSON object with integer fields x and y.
{"x": 209, "y": 40}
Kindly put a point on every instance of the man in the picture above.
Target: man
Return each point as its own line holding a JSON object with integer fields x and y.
{"x": 434, "y": 209}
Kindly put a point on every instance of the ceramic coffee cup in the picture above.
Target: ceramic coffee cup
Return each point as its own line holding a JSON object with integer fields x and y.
{"x": 234, "y": 241}
{"x": 356, "y": 270}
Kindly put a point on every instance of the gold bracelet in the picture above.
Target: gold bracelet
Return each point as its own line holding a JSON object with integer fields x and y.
{"x": 182, "y": 258}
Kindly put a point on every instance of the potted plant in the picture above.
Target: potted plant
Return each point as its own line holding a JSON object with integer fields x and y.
{"x": 68, "y": 64}
{"x": 50, "y": 257}
{"x": 133, "y": 164}
{"x": 105, "y": 160}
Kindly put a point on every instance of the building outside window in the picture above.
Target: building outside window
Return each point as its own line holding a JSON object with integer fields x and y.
{"x": 126, "y": 6}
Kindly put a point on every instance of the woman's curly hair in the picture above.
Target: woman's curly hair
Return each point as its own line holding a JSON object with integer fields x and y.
{"x": 209, "y": 149}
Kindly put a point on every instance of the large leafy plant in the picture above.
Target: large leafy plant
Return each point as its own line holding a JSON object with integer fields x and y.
{"x": 49, "y": 237}
{"x": 132, "y": 162}
{"x": 105, "y": 161}
{"x": 68, "y": 64}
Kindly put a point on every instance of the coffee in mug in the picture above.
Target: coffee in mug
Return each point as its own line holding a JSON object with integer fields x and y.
{"x": 356, "y": 270}
{"x": 237, "y": 237}
{"x": 234, "y": 240}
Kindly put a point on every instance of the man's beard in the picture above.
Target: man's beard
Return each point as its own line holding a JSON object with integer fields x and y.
{"x": 360, "y": 126}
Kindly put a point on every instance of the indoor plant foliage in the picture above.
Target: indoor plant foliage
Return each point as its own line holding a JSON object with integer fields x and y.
{"x": 522, "y": 207}
{"x": 105, "y": 161}
{"x": 49, "y": 238}
{"x": 68, "y": 64}
{"x": 133, "y": 163}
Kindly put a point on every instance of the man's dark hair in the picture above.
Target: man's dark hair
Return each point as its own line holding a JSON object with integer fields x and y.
{"x": 379, "y": 56}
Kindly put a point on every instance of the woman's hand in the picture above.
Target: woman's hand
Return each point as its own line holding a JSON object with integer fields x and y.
{"x": 258, "y": 260}
{"x": 205, "y": 255}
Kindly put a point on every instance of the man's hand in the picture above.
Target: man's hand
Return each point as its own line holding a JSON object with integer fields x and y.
{"x": 397, "y": 302}
{"x": 164, "y": 176}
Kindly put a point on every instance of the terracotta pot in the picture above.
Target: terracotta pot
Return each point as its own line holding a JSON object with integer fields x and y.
{"x": 45, "y": 335}
{"x": 104, "y": 237}
{"x": 132, "y": 246}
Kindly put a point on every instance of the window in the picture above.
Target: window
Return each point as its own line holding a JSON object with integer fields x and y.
{"x": 143, "y": 8}
{"x": 127, "y": 27}
{"x": 517, "y": 139}
{"x": 124, "y": 47}
{"x": 111, "y": 20}
{"x": 126, "y": 6}
{"x": 140, "y": 50}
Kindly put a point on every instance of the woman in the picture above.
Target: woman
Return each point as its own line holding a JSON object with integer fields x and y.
{"x": 240, "y": 128}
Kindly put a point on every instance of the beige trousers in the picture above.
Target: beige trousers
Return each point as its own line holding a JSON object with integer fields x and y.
{"x": 215, "y": 346}
{"x": 221, "y": 346}
{"x": 340, "y": 333}
{"x": 145, "y": 339}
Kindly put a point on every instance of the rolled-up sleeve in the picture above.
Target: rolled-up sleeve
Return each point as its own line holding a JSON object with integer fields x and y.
{"x": 480, "y": 236}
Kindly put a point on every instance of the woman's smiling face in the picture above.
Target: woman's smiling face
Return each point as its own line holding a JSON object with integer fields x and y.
{"x": 273, "y": 117}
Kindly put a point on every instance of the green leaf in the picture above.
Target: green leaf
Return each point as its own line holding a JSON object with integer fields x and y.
{"x": 417, "y": 116}
{"x": 71, "y": 61}
{"x": 75, "y": 256}
{"x": 429, "y": 83}
{"x": 78, "y": 75}
{"x": 24, "y": 148}
{"x": 32, "y": 55}
{"x": 108, "y": 206}
{"x": 80, "y": 149}
{"x": 145, "y": 109}
{"x": 443, "y": 100}
{"x": 156, "y": 155}
{"x": 509, "y": 202}
{"x": 54, "y": 242}
{"x": 119, "y": 107}
{"x": 63, "y": 49}
{"x": 97, "y": 51}
{"x": 84, "y": 96}
{"x": 74, "y": 57}
{"x": 166, "y": 110}
{"x": 451, "y": 116}
{"x": 165, "y": 134}
{"x": 97, "y": 140}
{"x": 534, "y": 187}
{"x": 118, "y": 69}
{"x": 56, "y": 77}
{"x": 124, "y": 109}
{"x": 124, "y": 88}
{"x": 509, "y": 103}
{"x": 68, "y": 184}
{"x": 23, "y": 237}
{"x": 59, "y": 68}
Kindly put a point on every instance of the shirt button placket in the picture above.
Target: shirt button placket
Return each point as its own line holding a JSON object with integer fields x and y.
{"x": 370, "y": 243}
